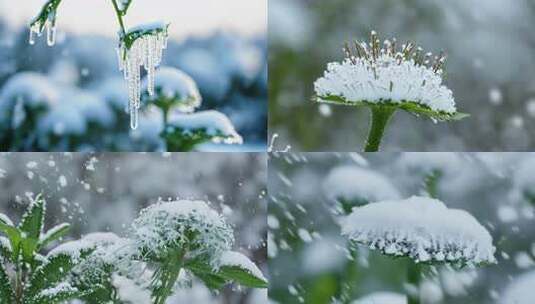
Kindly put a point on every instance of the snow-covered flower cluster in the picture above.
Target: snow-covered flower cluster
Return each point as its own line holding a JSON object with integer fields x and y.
{"x": 190, "y": 227}
{"x": 421, "y": 228}
{"x": 387, "y": 75}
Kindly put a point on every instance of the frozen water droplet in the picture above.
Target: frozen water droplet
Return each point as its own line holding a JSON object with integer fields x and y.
{"x": 50, "y": 34}
{"x": 32, "y": 36}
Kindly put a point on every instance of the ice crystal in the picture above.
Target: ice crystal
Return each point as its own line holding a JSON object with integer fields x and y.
{"x": 190, "y": 226}
{"x": 141, "y": 46}
{"x": 421, "y": 228}
{"x": 388, "y": 75}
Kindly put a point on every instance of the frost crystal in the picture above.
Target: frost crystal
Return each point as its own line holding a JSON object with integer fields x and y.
{"x": 421, "y": 228}
{"x": 190, "y": 226}
{"x": 141, "y": 46}
{"x": 388, "y": 75}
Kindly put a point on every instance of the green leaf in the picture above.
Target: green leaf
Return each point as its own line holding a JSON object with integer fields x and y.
{"x": 408, "y": 106}
{"x": 206, "y": 274}
{"x": 242, "y": 276}
{"x": 53, "y": 234}
{"x": 53, "y": 271}
{"x": 32, "y": 220}
{"x": 47, "y": 12}
{"x": 14, "y": 236}
{"x": 57, "y": 295}
{"x": 6, "y": 290}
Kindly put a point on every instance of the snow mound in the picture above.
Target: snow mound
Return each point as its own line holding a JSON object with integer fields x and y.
{"x": 171, "y": 83}
{"x": 233, "y": 258}
{"x": 421, "y": 228}
{"x": 382, "y": 297}
{"x": 354, "y": 183}
{"x": 387, "y": 76}
{"x": 63, "y": 119}
{"x": 445, "y": 162}
{"x": 165, "y": 226}
{"x": 113, "y": 90}
{"x": 94, "y": 109}
{"x": 74, "y": 249}
{"x": 31, "y": 88}
{"x": 521, "y": 290}
{"x": 214, "y": 123}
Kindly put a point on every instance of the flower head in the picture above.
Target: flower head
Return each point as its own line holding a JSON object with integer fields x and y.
{"x": 420, "y": 228}
{"x": 190, "y": 227}
{"x": 404, "y": 77}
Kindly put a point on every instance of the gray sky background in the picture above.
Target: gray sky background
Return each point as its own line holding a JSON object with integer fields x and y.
{"x": 198, "y": 17}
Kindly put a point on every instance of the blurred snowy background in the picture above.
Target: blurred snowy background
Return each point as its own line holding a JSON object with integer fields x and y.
{"x": 490, "y": 68}
{"x": 308, "y": 259}
{"x": 105, "y": 192}
{"x": 221, "y": 46}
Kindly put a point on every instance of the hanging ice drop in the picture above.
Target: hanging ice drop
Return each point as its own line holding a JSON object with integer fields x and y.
{"x": 50, "y": 33}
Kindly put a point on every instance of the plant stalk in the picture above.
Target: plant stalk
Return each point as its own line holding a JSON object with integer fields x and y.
{"x": 431, "y": 183}
{"x": 380, "y": 115}
{"x": 119, "y": 16}
{"x": 414, "y": 275}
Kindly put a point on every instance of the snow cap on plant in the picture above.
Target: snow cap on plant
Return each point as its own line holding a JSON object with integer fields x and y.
{"x": 173, "y": 89}
{"x": 358, "y": 185}
{"x": 403, "y": 77}
{"x": 184, "y": 131}
{"x": 420, "y": 228}
{"x": 192, "y": 228}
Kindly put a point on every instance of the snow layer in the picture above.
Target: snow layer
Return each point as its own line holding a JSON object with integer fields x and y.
{"x": 421, "y": 228}
{"x": 354, "y": 183}
{"x": 382, "y": 297}
{"x": 171, "y": 83}
{"x": 168, "y": 225}
{"x": 233, "y": 258}
{"x": 521, "y": 290}
{"x": 215, "y": 124}
{"x": 63, "y": 120}
{"x": 385, "y": 81}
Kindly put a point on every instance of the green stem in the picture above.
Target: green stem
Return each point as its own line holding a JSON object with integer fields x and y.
{"x": 380, "y": 117}
{"x": 414, "y": 275}
{"x": 431, "y": 183}
{"x": 119, "y": 16}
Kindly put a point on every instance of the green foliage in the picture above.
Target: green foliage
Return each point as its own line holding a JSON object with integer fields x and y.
{"x": 6, "y": 290}
{"x": 47, "y": 14}
{"x": 180, "y": 140}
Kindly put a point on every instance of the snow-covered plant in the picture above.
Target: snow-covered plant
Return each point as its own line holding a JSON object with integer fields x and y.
{"x": 24, "y": 100}
{"x": 189, "y": 235}
{"x": 27, "y": 276}
{"x": 386, "y": 78}
{"x": 139, "y": 46}
{"x": 423, "y": 230}
{"x": 185, "y": 131}
{"x": 352, "y": 186}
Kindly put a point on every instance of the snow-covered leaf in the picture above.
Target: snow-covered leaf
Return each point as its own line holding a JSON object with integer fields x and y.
{"x": 237, "y": 267}
{"x": 53, "y": 234}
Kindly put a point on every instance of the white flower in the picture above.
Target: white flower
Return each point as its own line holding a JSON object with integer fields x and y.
{"x": 421, "y": 228}
{"x": 404, "y": 77}
{"x": 189, "y": 226}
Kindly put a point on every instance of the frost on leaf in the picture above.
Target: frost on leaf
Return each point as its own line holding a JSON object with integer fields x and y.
{"x": 45, "y": 20}
{"x": 184, "y": 131}
{"x": 173, "y": 89}
{"x": 141, "y": 46}
{"x": 353, "y": 186}
{"x": 389, "y": 76}
{"x": 189, "y": 227}
{"x": 236, "y": 266}
{"x": 421, "y": 228}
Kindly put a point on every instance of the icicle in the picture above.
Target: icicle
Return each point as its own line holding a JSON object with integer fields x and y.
{"x": 32, "y": 36}
{"x": 50, "y": 33}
